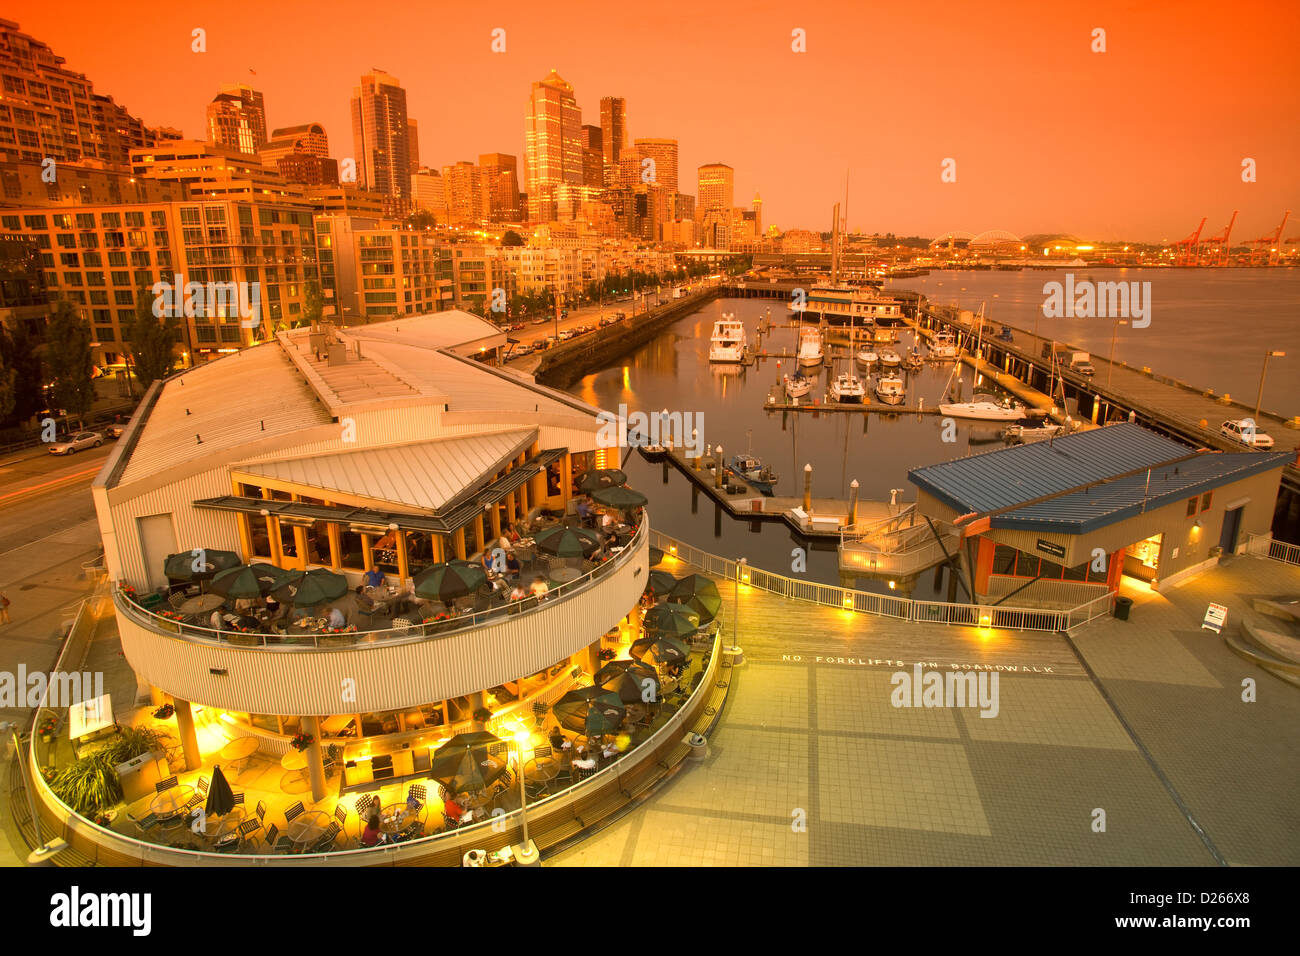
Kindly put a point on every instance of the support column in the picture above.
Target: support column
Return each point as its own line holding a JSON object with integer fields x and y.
{"x": 984, "y": 565}
{"x": 185, "y": 727}
{"x": 367, "y": 558}
{"x": 336, "y": 546}
{"x": 300, "y": 545}
{"x": 459, "y": 543}
{"x": 403, "y": 569}
{"x": 439, "y": 548}
{"x": 593, "y": 656}
{"x": 245, "y": 536}
{"x": 495, "y": 517}
{"x": 315, "y": 764}
{"x": 273, "y": 533}
{"x": 157, "y": 696}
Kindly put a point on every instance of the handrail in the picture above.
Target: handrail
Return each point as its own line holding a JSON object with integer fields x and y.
{"x": 383, "y": 636}
{"x": 1267, "y": 546}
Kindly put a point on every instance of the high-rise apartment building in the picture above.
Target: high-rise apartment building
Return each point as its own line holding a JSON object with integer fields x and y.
{"x": 552, "y": 144}
{"x": 465, "y": 201}
{"x": 428, "y": 194}
{"x": 237, "y": 118}
{"x": 413, "y": 138}
{"x": 308, "y": 139}
{"x": 613, "y": 127}
{"x": 593, "y": 156}
{"x": 758, "y": 214}
{"x": 500, "y": 175}
{"x": 381, "y": 139}
{"x": 664, "y": 153}
{"x": 716, "y": 189}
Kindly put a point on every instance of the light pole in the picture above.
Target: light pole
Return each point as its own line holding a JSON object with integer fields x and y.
{"x": 1259, "y": 398}
{"x": 741, "y": 564}
{"x": 526, "y": 852}
{"x": 1110, "y": 365}
{"x": 47, "y": 848}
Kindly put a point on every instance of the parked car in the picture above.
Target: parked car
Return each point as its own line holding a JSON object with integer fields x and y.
{"x": 517, "y": 327}
{"x": 566, "y": 334}
{"x": 115, "y": 430}
{"x": 1244, "y": 431}
{"x": 75, "y": 443}
{"x": 605, "y": 321}
{"x": 541, "y": 320}
{"x": 520, "y": 351}
{"x": 539, "y": 344}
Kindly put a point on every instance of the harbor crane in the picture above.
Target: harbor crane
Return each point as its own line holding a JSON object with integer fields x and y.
{"x": 1266, "y": 248}
{"x": 1187, "y": 251}
{"x": 1217, "y": 247}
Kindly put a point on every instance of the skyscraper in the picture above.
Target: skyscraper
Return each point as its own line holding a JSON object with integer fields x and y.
{"x": 465, "y": 200}
{"x": 381, "y": 139}
{"x": 413, "y": 138}
{"x": 237, "y": 118}
{"x": 500, "y": 176}
{"x": 593, "y": 156}
{"x": 613, "y": 128}
{"x": 664, "y": 153}
{"x": 758, "y": 215}
{"x": 552, "y": 144}
{"x": 716, "y": 188}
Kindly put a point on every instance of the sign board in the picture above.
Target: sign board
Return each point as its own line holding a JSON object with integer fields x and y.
{"x": 90, "y": 716}
{"x": 1048, "y": 547}
{"x": 1215, "y": 616}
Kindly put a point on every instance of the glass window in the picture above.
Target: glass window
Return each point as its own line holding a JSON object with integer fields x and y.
{"x": 1206, "y": 499}
{"x": 1004, "y": 560}
{"x": 1026, "y": 564}
{"x": 1191, "y": 506}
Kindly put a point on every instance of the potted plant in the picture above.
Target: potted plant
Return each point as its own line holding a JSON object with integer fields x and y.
{"x": 301, "y": 741}
{"x": 165, "y": 711}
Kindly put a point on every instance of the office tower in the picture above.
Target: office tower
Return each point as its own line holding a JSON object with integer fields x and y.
{"x": 552, "y": 144}
{"x": 716, "y": 189}
{"x": 237, "y": 118}
{"x": 464, "y": 187}
{"x": 428, "y": 194}
{"x": 306, "y": 138}
{"x": 308, "y": 170}
{"x": 500, "y": 175}
{"x": 593, "y": 156}
{"x": 664, "y": 153}
{"x": 381, "y": 139}
{"x": 52, "y": 112}
{"x": 758, "y": 214}
{"x": 413, "y": 138}
{"x": 681, "y": 206}
{"x": 613, "y": 127}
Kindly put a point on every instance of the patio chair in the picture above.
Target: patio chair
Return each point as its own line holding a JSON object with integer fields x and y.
{"x": 420, "y": 792}
{"x": 192, "y": 803}
{"x": 412, "y": 832}
{"x": 341, "y": 815}
{"x": 147, "y": 822}
{"x": 237, "y": 798}
{"x": 176, "y": 599}
{"x": 498, "y": 750}
{"x": 164, "y": 785}
{"x": 364, "y": 805}
{"x": 540, "y": 752}
{"x": 260, "y": 810}
{"x": 540, "y": 710}
{"x": 276, "y": 841}
{"x": 293, "y": 812}
{"x": 204, "y": 785}
{"x": 326, "y": 841}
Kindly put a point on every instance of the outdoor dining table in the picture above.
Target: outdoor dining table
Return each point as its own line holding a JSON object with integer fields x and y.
{"x": 542, "y": 768}
{"x": 170, "y": 803}
{"x": 294, "y": 761}
{"x": 202, "y": 604}
{"x": 564, "y": 575}
{"x": 308, "y": 827}
{"x": 217, "y": 827}
{"x": 477, "y": 801}
{"x": 395, "y": 817}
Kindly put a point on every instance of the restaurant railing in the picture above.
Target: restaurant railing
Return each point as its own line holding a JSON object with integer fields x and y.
{"x": 332, "y": 640}
{"x": 89, "y": 838}
{"x": 885, "y": 605}
{"x": 1267, "y": 546}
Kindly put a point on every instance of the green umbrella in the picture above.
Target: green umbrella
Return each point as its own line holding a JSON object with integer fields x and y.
{"x": 567, "y": 542}
{"x": 661, "y": 581}
{"x": 248, "y": 580}
{"x": 449, "y": 580}
{"x": 622, "y": 498}
{"x": 601, "y": 478}
{"x": 181, "y": 566}
{"x": 463, "y": 764}
{"x": 700, "y": 593}
{"x": 656, "y": 555}
{"x": 310, "y": 588}
{"x": 589, "y": 710}
{"x": 659, "y": 650}
{"x": 677, "y": 620}
{"x": 628, "y": 680}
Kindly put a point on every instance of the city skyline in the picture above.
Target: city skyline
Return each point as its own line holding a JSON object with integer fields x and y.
{"x": 1157, "y": 188}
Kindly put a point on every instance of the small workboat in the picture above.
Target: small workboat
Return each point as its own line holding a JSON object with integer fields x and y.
{"x": 867, "y": 358}
{"x": 810, "y": 347}
{"x": 847, "y": 389}
{"x": 758, "y": 475}
{"x": 943, "y": 346}
{"x": 913, "y": 359}
{"x": 890, "y": 390}
{"x": 797, "y": 385}
{"x": 890, "y": 359}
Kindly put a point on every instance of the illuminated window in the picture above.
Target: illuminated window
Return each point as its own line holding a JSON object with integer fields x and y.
{"x": 1205, "y": 500}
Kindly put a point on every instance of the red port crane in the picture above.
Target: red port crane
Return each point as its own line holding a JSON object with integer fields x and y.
{"x": 1265, "y": 248}
{"x": 1187, "y": 251}
{"x": 1216, "y": 247}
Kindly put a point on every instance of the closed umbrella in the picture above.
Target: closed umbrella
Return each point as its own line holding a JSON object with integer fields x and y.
{"x": 676, "y": 620}
{"x": 248, "y": 580}
{"x": 567, "y": 542}
{"x": 310, "y": 588}
{"x": 661, "y": 581}
{"x": 589, "y": 710}
{"x": 622, "y": 498}
{"x": 463, "y": 764}
{"x": 601, "y": 478}
{"x": 700, "y": 593}
{"x": 628, "y": 680}
{"x": 221, "y": 799}
{"x": 449, "y": 580}
{"x": 660, "y": 650}
{"x": 188, "y": 566}
{"x": 656, "y": 555}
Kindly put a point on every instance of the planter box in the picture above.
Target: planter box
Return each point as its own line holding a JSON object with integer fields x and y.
{"x": 139, "y": 774}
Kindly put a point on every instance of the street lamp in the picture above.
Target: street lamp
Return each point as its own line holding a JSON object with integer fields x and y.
{"x": 1110, "y": 368}
{"x": 741, "y": 564}
{"x": 47, "y": 848}
{"x": 526, "y": 852}
{"x": 1264, "y": 371}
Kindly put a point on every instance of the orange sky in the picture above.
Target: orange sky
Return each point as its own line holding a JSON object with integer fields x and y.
{"x": 1139, "y": 142}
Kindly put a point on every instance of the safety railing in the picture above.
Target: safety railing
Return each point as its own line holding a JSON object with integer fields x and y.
{"x": 1267, "y": 546}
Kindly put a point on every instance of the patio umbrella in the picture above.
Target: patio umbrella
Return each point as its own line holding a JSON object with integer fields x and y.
{"x": 627, "y": 679}
{"x": 589, "y": 710}
{"x": 675, "y": 620}
{"x": 221, "y": 799}
{"x": 661, "y": 581}
{"x": 310, "y": 588}
{"x": 656, "y": 555}
{"x": 248, "y": 580}
{"x": 180, "y": 566}
{"x": 459, "y": 763}
{"x": 601, "y": 478}
{"x": 698, "y": 592}
{"x": 449, "y": 580}
{"x": 567, "y": 542}
{"x": 660, "y": 649}
{"x": 622, "y": 498}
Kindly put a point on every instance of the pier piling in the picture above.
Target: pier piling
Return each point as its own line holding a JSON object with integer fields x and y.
{"x": 807, "y": 489}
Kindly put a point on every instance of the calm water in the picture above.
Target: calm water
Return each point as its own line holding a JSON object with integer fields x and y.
{"x": 1208, "y": 328}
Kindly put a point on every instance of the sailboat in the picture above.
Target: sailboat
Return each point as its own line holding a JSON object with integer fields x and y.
{"x": 984, "y": 408}
{"x": 797, "y": 385}
{"x": 847, "y": 388}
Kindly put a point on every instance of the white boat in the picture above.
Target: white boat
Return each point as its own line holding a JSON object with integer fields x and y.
{"x": 798, "y": 385}
{"x": 913, "y": 359}
{"x": 728, "y": 342}
{"x": 847, "y": 388}
{"x": 943, "y": 346}
{"x": 810, "y": 347}
{"x": 845, "y": 305}
{"x": 1027, "y": 434}
{"x": 890, "y": 390}
{"x": 890, "y": 359}
{"x": 985, "y": 410}
{"x": 867, "y": 358}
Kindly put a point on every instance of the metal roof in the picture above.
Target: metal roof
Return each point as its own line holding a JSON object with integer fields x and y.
{"x": 434, "y": 330}
{"x": 1089, "y": 479}
{"x": 424, "y": 475}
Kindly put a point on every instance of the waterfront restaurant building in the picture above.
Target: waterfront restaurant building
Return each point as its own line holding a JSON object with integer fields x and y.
{"x": 352, "y": 450}
{"x": 1066, "y": 519}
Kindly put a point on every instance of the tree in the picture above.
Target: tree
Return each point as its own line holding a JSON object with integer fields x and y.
{"x": 153, "y": 342}
{"x": 7, "y": 377}
{"x": 313, "y": 306}
{"x": 20, "y": 355}
{"x": 512, "y": 238}
{"x": 68, "y": 360}
{"x": 422, "y": 219}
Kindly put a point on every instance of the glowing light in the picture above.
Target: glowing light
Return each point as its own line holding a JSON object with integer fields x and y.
{"x": 892, "y": 585}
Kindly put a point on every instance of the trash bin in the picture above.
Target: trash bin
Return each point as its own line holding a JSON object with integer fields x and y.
{"x": 1122, "y": 605}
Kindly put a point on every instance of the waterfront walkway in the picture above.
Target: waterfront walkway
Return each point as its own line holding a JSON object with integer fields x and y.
{"x": 809, "y": 735}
